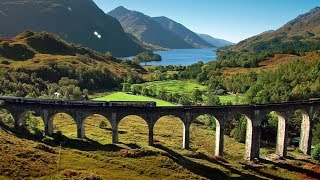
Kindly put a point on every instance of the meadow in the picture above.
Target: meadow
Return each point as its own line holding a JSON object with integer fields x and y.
{"x": 176, "y": 86}
{"x": 183, "y": 88}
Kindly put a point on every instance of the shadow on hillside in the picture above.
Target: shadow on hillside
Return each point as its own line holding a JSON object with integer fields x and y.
{"x": 225, "y": 164}
{"x": 58, "y": 139}
{"x": 199, "y": 169}
{"x": 110, "y": 130}
{"x": 293, "y": 168}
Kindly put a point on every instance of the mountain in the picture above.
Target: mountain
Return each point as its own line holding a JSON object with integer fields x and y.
{"x": 79, "y": 22}
{"x": 47, "y": 57}
{"x": 301, "y": 32}
{"x": 146, "y": 29}
{"x": 183, "y": 32}
{"x": 214, "y": 41}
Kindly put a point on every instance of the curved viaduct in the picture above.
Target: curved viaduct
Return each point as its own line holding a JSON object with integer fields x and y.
{"x": 80, "y": 110}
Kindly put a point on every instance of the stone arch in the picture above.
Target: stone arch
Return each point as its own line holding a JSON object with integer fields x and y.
{"x": 37, "y": 123}
{"x": 170, "y": 127}
{"x": 64, "y": 122}
{"x": 133, "y": 129}
{"x": 98, "y": 128}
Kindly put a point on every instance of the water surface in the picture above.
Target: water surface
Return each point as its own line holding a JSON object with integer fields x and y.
{"x": 183, "y": 57}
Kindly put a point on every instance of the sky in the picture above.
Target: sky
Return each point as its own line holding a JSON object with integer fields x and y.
{"x": 232, "y": 20}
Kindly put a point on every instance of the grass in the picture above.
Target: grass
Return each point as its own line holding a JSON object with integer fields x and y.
{"x": 121, "y": 96}
{"x": 234, "y": 99}
{"x": 176, "y": 86}
{"x": 22, "y": 157}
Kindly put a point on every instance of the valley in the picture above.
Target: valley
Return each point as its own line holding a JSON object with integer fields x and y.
{"x": 262, "y": 95}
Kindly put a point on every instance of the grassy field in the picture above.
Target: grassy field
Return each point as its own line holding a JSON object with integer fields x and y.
{"x": 186, "y": 88}
{"x": 231, "y": 98}
{"x": 132, "y": 158}
{"x": 176, "y": 86}
{"x": 121, "y": 96}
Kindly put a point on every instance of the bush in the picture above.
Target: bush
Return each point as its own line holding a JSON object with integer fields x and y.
{"x": 239, "y": 133}
{"x": 31, "y": 122}
{"x": 103, "y": 125}
{"x": 315, "y": 153}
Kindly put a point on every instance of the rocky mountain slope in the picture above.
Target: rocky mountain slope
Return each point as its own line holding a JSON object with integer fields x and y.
{"x": 183, "y": 32}
{"x": 79, "y": 22}
{"x": 215, "y": 41}
{"x": 305, "y": 29}
{"x": 146, "y": 29}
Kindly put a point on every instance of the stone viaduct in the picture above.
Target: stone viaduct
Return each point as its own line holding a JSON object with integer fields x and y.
{"x": 80, "y": 110}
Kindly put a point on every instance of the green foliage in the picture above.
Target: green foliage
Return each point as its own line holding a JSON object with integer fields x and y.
{"x": 239, "y": 133}
{"x": 196, "y": 96}
{"x": 31, "y": 122}
{"x": 147, "y": 56}
{"x": 126, "y": 87}
{"x": 212, "y": 100}
{"x": 315, "y": 153}
{"x": 136, "y": 89}
{"x": 295, "y": 81}
{"x": 185, "y": 101}
{"x": 191, "y": 71}
{"x": 6, "y": 118}
{"x": 243, "y": 59}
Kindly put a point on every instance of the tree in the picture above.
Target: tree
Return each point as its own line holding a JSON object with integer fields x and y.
{"x": 196, "y": 96}
{"x": 147, "y": 56}
{"x": 315, "y": 153}
{"x": 126, "y": 87}
{"x": 185, "y": 101}
{"x": 212, "y": 100}
{"x": 136, "y": 89}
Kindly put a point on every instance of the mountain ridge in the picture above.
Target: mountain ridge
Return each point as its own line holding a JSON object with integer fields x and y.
{"x": 215, "y": 41}
{"x": 183, "y": 32}
{"x": 305, "y": 27}
{"x": 146, "y": 29}
{"x": 59, "y": 17}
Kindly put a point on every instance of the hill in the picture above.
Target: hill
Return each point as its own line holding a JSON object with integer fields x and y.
{"x": 147, "y": 29}
{"x": 77, "y": 22}
{"x": 33, "y": 63}
{"x": 298, "y": 37}
{"x": 183, "y": 32}
{"x": 303, "y": 30}
{"x": 215, "y": 41}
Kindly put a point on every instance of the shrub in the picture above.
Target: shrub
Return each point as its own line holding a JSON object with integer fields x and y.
{"x": 315, "y": 153}
{"x": 31, "y": 122}
{"x": 103, "y": 125}
{"x": 239, "y": 133}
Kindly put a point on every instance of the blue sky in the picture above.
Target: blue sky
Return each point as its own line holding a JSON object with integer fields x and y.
{"x": 233, "y": 20}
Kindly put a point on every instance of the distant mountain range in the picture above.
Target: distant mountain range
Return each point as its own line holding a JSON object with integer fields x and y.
{"x": 79, "y": 22}
{"x": 183, "y": 32}
{"x": 147, "y": 30}
{"x": 159, "y": 31}
{"x": 215, "y": 41}
{"x": 301, "y": 32}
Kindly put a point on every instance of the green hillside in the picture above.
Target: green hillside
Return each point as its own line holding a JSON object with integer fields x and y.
{"x": 41, "y": 64}
{"x": 96, "y": 30}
